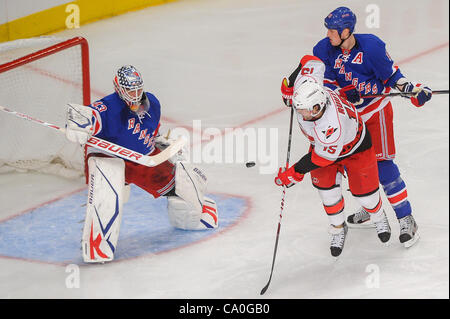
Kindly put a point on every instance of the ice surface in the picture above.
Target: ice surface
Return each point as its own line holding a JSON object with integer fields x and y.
{"x": 222, "y": 62}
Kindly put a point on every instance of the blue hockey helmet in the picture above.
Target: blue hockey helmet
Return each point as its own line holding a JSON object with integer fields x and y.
{"x": 340, "y": 19}
{"x": 129, "y": 84}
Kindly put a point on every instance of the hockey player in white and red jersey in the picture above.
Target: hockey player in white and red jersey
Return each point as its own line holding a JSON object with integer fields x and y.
{"x": 130, "y": 117}
{"x": 359, "y": 64}
{"x": 339, "y": 139}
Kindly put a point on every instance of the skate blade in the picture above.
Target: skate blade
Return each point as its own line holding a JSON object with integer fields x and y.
{"x": 334, "y": 259}
{"x": 412, "y": 241}
{"x": 365, "y": 225}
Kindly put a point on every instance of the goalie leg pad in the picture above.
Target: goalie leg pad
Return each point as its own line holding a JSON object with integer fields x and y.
{"x": 183, "y": 215}
{"x": 103, "y": 209}
{"x": 190, "y": 209}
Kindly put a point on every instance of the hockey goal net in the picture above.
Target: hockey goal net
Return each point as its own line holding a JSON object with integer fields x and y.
{"x": 38, "y": 77}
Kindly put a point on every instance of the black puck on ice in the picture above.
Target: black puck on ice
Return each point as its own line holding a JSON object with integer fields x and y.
{"x": 250, "y": 164}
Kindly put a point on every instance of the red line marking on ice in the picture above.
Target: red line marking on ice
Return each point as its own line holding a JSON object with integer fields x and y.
{"x": 62, "y": 264}
{"x": 403, "y": 61}
{"x": 43, "y": 204}
{"x": 31, "y": 209}
{"x": 421, "y": 54}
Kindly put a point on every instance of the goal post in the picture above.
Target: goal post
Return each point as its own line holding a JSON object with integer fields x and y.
{"x": 38, "y": 77}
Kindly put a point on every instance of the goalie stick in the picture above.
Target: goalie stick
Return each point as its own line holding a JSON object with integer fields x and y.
{"x": 111, "y": 148}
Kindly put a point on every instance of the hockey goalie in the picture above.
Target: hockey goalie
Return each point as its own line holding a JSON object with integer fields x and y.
{"x": 130, "y": 118}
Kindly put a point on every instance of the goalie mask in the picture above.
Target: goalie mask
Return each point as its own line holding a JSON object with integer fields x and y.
{"x": 129, "y": 85}
{"x": 308, "y": 94}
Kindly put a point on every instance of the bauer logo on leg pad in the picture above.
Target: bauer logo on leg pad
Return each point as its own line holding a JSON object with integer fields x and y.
{"x": 201, "y": 174}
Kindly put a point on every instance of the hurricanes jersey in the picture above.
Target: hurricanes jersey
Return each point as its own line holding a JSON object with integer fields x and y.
{"x": 340, "y": 130}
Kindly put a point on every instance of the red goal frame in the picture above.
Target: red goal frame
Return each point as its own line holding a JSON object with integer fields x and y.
{"x": 82, "y": 42}
{"x": 53, "y": 49}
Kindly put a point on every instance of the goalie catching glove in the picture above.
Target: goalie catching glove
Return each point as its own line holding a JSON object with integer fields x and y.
{"x": 78, "y": 123}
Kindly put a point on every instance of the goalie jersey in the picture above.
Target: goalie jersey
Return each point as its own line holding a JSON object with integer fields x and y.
{"x": 339, "y": 133}
{"x": 114, "y": 122}
{"x": 367, "y": 66}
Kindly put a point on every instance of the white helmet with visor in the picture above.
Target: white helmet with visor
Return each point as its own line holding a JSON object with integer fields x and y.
{"x": 129, "y": 85}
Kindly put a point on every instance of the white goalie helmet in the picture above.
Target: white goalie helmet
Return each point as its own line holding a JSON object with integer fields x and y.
{"x": 129, "y": 84}
{"x": 309, "y": 93}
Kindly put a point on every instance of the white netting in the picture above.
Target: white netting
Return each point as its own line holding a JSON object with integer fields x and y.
{"x": 40, "y": 89}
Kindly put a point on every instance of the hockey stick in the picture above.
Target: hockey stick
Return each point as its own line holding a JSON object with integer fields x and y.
{"x": 399, "y": 94}
{"x": 282, "y": 204}
{"x": 111, "y": 148}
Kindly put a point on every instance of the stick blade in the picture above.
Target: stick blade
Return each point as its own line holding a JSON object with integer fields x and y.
{"x": 263, "y": 291}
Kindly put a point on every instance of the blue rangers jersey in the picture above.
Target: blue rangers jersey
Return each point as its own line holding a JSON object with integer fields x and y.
{"x": 114, "y": 122}
{"x": 367, "y": 66}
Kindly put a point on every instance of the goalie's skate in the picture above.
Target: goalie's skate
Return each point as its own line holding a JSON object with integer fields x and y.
{"x": 337, "y": 239}
{"x": 408, "y": 231}
{"x": 360, "y": 219}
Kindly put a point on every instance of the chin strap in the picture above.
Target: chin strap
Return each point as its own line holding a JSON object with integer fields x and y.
{"x": 342, "y": 40}
{"x": 321, "y": 109}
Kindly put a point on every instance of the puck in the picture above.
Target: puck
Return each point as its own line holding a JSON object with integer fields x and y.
{"x": 250, "y": 164}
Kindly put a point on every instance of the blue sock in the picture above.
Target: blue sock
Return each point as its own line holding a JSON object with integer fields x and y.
{"x": 394, "y": 188}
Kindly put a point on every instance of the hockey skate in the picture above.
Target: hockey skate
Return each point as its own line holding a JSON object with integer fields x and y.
{"x": 360, "y": 219}
{"x": 382, "y": 227}
{"x": 408, "y": 231}
{"x": 337, "y": 239}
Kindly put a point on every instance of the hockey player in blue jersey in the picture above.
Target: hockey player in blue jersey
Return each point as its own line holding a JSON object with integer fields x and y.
{"x": 130, "y": 117}
{"x": 359, "y": 64}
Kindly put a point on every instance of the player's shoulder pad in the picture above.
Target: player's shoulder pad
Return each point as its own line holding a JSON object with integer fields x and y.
{"x": 370, "y": 43}
{"x": 113, "y": 102}
{"x": 155, "y": 105}
{"x": 106, "y": 105}
{"x": 323, "y": 44}
{"x": 152, "y": 98}
{"x": 322, "y": 49}
{"x": 308, "y": 58}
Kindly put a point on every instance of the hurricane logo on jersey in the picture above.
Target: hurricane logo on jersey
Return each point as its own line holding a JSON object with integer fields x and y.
{"x": 330, "y": 131}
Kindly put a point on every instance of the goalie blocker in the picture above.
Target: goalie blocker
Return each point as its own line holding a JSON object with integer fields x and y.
{"x": 182, "y": 183}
